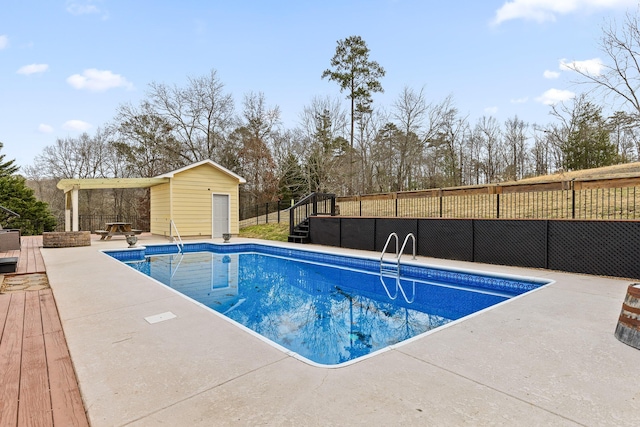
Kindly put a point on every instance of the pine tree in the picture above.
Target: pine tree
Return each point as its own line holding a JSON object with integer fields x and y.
{"x": 7, "y": 167}
{"x": 359, "y": 76}
{"x": 35, "y": 216}
{"x": 588, "y": 145}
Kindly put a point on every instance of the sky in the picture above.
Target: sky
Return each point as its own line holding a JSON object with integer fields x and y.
{"x": 66, "y": 65}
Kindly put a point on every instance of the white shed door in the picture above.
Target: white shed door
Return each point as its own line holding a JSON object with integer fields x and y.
{"x": 220, "y": 214}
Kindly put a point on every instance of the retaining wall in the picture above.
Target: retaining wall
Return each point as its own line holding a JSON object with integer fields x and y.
{"x": 607, "y": 248}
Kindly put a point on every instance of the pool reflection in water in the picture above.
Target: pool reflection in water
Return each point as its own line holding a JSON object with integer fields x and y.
{"x": 328, "y": 315}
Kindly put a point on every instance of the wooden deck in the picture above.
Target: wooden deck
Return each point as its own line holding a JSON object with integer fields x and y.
{"x": 38, "y": 386}
{"x": 29, "y": 256}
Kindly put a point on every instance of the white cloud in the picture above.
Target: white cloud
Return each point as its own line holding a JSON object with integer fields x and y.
{"x": 76, "y": 125}
{"x": 491, "y": 110}
{"x": 86, "y": 7}
{"x": 32, "y": 69}
{"x": 520, "y": 100}
{"x": 44, "y": 128}
{"x": 551, "y": 74}
{"x": 548, "y": 10}
{"x": 553, "y": 96}
{"x": 592, "y": 67}
{"x": 98, "y": 80}
{"x": 4, "y": 42}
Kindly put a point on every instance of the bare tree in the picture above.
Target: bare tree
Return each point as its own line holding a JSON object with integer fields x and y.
{"x": 541, "y": 152}
{"x": 384, "y": 159}
{"x": 473, "y": 167}
{"x": 255, "y": 158}
{"x": 489, "y": 135}
{"x": 621, "y": 75}
{"x": 323, "y": 125}
{"x": 84, "y": 157}
{"x": 81, "y": 157}
{"x": 145, "y": 140}
{"x": 452, "y": 131}
{"x": 44, "y": 188}
{"x": 201, "y": 115}
{"x": 409, "y": 112}
{"x": 369, "y": 125}
{"x": 515, "y": 138}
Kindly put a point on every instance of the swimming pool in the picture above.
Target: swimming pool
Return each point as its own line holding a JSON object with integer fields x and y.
{"x": 324, "y": 308}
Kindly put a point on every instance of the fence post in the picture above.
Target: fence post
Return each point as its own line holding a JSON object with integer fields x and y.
{"x": 440, "y": 192}
{"x": 573, "y": 200}
{"x": 291, "y": 221}
{"x": 498, "y": 205}
{"x": 266, "y": 213}
{"x": 278, "y": 209}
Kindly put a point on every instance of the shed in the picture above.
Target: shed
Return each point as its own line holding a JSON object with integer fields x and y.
{"x": 201, "y": 199}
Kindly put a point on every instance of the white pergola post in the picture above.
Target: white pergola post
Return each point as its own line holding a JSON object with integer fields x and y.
{"x": 67, "y": 211}
{"x": 74, "y": 207}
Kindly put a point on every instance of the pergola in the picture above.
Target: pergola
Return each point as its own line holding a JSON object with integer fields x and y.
{"x": 71, "y": 187}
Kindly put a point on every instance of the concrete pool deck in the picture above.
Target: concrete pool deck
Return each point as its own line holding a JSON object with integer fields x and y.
{"x": 547, "y": 358}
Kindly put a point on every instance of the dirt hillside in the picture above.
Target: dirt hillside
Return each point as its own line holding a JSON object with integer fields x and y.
{"x": 624, "y": 169}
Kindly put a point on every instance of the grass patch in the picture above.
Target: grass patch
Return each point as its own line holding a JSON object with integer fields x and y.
{"x": 278, "y": 232}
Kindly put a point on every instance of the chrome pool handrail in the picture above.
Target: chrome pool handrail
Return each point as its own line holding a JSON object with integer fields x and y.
{"x": 180, "y": 245}
{"x": 388, "y": 269}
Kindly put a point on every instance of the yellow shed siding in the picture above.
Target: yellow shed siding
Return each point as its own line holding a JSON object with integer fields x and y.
{"x": 191, "y": 196}
{"x": 160, "y": 209}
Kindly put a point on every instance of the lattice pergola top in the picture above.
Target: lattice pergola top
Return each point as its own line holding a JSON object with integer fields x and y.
{"x": 106, "y": 183}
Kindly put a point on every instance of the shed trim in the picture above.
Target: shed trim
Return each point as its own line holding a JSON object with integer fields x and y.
{"x": 211, "y": 163}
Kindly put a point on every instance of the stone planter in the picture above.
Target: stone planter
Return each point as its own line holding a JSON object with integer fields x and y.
{"x": 226, "y": 237}
{"x": 65, "y": 239}
{"x": 132, "y": 240}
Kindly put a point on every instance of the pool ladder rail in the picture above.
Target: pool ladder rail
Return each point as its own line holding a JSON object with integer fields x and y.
{"x": 178, "y": 242}
{"x": 391, "y": 268}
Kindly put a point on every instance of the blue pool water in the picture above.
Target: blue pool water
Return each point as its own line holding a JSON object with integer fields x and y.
{"x": 327, "y": 308}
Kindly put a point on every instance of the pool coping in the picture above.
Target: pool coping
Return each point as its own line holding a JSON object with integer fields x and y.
{"x": 509, "y": 363}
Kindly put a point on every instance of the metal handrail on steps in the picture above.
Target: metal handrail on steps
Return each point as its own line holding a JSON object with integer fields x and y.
{"x": 311, "y": 205}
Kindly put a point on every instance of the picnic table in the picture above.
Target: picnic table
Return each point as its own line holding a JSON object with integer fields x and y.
{"x": 117, "y": 229}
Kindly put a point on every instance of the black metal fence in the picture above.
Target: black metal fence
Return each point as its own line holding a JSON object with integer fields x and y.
{"x": 611, "y": 198}
{"x": 98, "y": 221}
{"x": 265, "y": 213}
{"x": 608, "y": 248}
